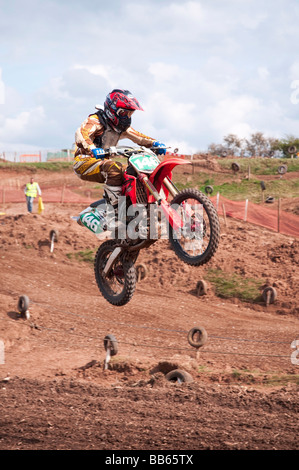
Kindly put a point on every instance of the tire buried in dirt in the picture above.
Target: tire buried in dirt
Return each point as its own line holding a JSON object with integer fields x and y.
{"x": 201, "y": 288}
{"x": 23, "y": 304}
{"x": 271, "y": 292}
{"x": 111, "y": 341}
{"x": 178, "y": 376}
{"x": 141, "y": 271}
{"x": 119, "y": 285}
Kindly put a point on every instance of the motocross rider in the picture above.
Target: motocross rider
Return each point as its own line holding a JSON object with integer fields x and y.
{"x": 102, "y": 130}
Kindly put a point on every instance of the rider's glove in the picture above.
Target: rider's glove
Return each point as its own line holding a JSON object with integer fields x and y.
{"x": 98, "y": 153}
{"x": 112, "y": 151}
{"x": 161, "y": 148}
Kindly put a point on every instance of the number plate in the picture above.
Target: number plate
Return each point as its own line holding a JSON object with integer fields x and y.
{"x": 93, "y": 222}
{"x": 145, "y": 163}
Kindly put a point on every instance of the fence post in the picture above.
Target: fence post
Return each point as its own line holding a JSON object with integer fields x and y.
{"x": 224, "y": 214}
{"x": 278, "y": 215}
{"x": 62, "y": 193}
{"x": 246, "y": 208}
{"x": 217, "y": 201}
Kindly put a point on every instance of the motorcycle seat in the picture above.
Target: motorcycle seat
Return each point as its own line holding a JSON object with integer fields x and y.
{"x": 97, "y": 203}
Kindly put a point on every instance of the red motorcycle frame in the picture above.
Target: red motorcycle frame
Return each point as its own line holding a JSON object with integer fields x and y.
{"x": 159, "y": 179}
{"x": 148, "y": 181}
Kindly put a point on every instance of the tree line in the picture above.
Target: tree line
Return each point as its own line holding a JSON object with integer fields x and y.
{"x": 257, "y": 145}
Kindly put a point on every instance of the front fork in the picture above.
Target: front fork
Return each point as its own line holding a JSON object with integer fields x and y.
{"x": 170, "y": 186}
{"x": 172, "y": 216}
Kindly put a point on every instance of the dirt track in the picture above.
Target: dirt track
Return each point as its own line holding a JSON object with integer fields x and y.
{"x": 55, "y": 393}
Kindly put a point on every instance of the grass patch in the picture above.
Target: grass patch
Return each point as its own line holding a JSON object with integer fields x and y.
{"x": 261, "y": 166}
{"x": 252, "y": 377}
{"x": 238, "y": 190}
{"x": 86, "y": 256}
{"x": 282, "y": 379}
{"x": 270, "y": 379}
{"x": 244, "y": 189}
{"x": 234, "y": 286}
{"x": 267, "y": 379}
{"x": 252, "y": 189}
{"x": 35, "y": 166}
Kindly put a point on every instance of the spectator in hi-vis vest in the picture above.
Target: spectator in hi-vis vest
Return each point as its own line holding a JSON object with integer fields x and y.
{"x": 31, "y": 190}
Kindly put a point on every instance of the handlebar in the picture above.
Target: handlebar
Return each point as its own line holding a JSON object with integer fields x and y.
{"x": 127, "y": 151}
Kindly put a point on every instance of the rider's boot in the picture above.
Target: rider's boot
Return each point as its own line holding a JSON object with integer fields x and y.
{"x": 112, "y": 194}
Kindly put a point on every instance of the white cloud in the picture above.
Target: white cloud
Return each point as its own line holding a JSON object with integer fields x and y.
{"x": 295, "y": 94}
{"x": 96, "y": 69}
{"x": 200, "y": 69}
{"x": 294, "y": 71}
{"x": 234, "y": 114}
{"x": 171, "y": 114}
{"x": 263, "y": 73}
{"x": 2, "y": 89}
{"x": 163, "y": 72}
{"x": 192, "y": 12}
{"x": 23, "y": 126}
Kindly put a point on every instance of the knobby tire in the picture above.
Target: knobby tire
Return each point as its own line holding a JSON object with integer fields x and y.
{"x": 129, "y": 275}
{"x": 211, "y": 212}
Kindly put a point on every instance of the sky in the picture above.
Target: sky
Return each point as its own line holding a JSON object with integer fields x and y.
{"x": 200, "y": 69}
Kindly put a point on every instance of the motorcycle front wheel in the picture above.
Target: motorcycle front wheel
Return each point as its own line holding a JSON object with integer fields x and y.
{"x": 197, "y": 240}
{"x": 118, "y": 286}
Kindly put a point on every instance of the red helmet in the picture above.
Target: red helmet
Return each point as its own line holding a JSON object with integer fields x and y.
{"x": 117, "y": 108}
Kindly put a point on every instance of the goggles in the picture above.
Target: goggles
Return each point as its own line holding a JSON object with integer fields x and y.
{"x": 125, "y": 112}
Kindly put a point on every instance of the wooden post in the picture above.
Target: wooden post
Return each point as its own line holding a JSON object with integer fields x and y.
{"x": 248, "y": 172}
{"x": 62, "y": 193}
{"x": 224, "y": 215}
{"x": 246, "y": 209}
{"x": 217, "y": 201}
{"x": 278, "y": 215}
{"x": 192, "y": 164}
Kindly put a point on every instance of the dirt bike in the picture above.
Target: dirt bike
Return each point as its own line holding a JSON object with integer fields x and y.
{"x": 190, "y": 221}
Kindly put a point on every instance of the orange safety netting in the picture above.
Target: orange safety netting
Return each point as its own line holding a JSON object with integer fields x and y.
{"x": 63, "y": 195}
{"x": 279, "y": 221}
{"x": 273, "y": 219}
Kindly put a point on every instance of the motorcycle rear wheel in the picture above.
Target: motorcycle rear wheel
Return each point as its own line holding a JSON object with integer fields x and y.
{"x": 200, "y": 241}
{"x": 119, "y": 285}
